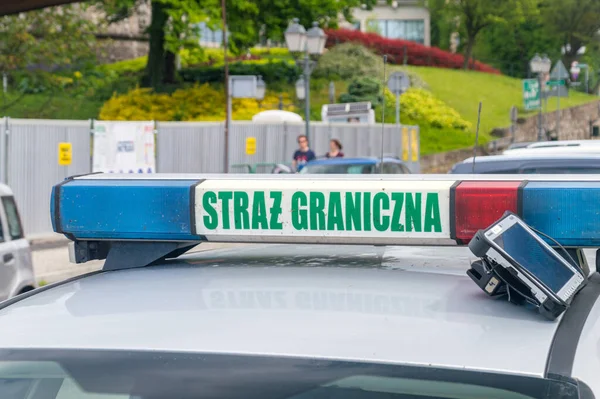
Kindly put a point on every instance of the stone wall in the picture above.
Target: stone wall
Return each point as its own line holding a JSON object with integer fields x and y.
{"x": 575, "y": 124}
{"x": 123, "y": 40}
{"x": 442, "y": 162}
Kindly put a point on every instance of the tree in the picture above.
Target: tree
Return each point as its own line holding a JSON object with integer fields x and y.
{"x": 475, "y": 15}
{"x": 174, "y": 24}
{"x": 49, "y": 39}
{"x": 575, "y": 23}
{"x": 509, "y": 46}
{"x": 442, "y": 24}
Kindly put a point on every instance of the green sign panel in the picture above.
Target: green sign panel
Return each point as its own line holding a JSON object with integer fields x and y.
{"x": 531, "y": 94}
{"x": 322, "y": 211}
{"x": 555, "y": 83}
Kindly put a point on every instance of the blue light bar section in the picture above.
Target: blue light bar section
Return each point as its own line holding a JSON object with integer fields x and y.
{"x": 569, "y": 212}
{"x": 124, "y": 209}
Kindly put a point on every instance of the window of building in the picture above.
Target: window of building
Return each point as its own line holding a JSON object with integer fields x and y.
{"x": 413, "y": 30}
{"x": 208, "y": 35}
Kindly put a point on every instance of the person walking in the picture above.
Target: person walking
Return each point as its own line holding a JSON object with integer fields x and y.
{"x": 303, "y": 154}
{"x": 335, "y": 149}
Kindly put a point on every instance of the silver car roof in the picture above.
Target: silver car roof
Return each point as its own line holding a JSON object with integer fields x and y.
{"x": 393, "y": 305}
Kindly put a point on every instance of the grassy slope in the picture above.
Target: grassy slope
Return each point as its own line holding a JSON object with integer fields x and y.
{"x": 42, "y": 106}
{"x": 433, "y": 140}
{"x": 463, "y": 90}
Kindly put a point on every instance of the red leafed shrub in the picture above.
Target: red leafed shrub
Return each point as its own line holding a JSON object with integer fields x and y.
{"x": 397, "y": 49}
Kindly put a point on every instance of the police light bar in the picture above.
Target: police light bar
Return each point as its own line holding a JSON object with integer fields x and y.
{"x": 375, "y": 210}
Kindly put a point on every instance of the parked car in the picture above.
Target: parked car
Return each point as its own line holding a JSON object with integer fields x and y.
{"x": 359, "y": 165}
{"x": 532, "y": 163}
{"x": 557, "y": 147}
{"x": 16, "y": 266}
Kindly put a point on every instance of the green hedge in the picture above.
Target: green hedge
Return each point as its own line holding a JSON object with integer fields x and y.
{"x": 271, "y": 72}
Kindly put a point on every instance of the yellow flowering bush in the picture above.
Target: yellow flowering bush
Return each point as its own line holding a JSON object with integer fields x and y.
{"x": 421, "y": 105}
{"x": 197, "y": 103}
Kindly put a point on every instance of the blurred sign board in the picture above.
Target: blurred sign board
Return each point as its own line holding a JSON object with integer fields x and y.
{"x": 559, "y": 72}
{"x": 359, "y": 112}
{"x": 242, "y": 86}
{"x": 251, "y": 145}
{"x": 531, "y": 94}
{"x": 124, "y": 147}
{"x": 398, "y": 83}
{"x": 65, "y": 154}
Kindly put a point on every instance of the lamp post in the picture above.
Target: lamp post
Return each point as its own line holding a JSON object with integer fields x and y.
{"x": 541, "y": 66}
{"x": 298, "y": 40}
{"x": 261, "y": 88}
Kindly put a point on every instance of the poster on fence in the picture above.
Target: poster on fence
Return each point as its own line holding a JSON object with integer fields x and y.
{"x": 124, "y": 147}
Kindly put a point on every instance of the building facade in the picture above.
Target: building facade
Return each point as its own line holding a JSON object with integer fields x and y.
{"x": 403, "y": 19}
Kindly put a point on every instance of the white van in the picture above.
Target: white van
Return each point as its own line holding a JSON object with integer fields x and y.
{"x": 16, "y": 266}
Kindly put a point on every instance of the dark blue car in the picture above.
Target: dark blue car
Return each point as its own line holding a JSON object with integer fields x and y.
{"x": 359, "y": 165}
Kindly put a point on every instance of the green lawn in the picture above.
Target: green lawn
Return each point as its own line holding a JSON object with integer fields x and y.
{"x": 43, "y": 106}
{"x": 462, "y": 90}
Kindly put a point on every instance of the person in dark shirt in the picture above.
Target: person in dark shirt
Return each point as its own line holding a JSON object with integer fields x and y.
{"x": 335, "y": 149}
{"x": 303, "y": 154}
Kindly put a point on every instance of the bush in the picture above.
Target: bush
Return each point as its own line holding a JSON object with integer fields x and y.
{"x": 363, "y": 89}
{"x": 127, "y": 67}
{"x": 271, "y": 72}
{"x": 198, "y": 103}
{"x": 272, "y": 51}
{"x": 421, "y": 106}
{"x": 208, "y": 56}
{"x": 416, "y": 54}
{"x": 349, "y": 61}
{"x": 417, "y": 105}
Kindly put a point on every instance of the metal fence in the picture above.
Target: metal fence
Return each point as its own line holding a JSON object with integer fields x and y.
{"x": 32, "y": 164}
{"x": 29, "y": 152}
{"x": 182, "y": 146}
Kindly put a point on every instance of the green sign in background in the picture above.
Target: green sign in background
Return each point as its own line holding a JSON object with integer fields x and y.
{"x": 531, "y": 94}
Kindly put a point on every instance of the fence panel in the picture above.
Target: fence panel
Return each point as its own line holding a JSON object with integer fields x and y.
{"x": 182, "y": 147}
{"x": 190, "y": 147}
{"x": 33, "y": 165}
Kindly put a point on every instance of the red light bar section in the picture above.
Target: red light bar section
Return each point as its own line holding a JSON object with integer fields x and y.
{"x": 478, "y": 204}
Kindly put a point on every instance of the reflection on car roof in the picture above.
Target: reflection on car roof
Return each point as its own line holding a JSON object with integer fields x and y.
{"x": 356, "y": 160}
{"x": 259, "y": 300}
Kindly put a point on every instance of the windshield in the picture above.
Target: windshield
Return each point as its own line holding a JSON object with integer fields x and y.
{"x": 86, "y": 374}
{"x": 339, "y": 169}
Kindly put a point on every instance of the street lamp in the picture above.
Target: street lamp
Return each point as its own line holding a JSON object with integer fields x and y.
{"x": 300, "y": 89}
{"x": 310, "y": 43}
{"x": 541, "y": 66}
{"x": 260, "y": 88}
{"x": 295, "y": 37}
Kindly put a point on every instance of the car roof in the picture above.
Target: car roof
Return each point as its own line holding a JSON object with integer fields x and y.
{"x": 489, "y": 163}
{"x": 409, "y": 305}
{"x": 563, "y": 143}
{"x": 355, "y": 160}
{"x": 533, "y": 156}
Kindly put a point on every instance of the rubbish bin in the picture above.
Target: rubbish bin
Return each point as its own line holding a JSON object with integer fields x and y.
{"x": 595, "y": 131}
